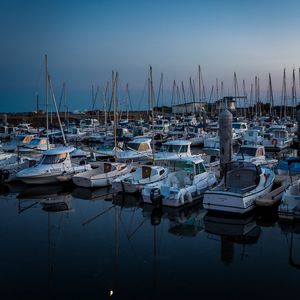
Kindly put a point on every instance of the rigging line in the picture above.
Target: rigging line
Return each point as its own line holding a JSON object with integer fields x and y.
{"x": 132, "y": 217}
{"x": 128, "y": 238}
{"x": 159, "y": 89}
{"x": 137, "y": 228}
{"x": 61, "y": 96}
{"x": 129, "y": 100}
{"x": 161, "y": 235}
{"x": 98, "y": 215}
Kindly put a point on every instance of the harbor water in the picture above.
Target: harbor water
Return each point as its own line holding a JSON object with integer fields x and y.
{"x": 62, "y": 242}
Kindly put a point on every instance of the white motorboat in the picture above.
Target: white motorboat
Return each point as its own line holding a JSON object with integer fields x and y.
{"x": 173, "y": 150}
{"x": 17, "y": 141}
{"x": 242, "y": 183}
{"x": 37, "y": 144}
{"x": 137, "y": 150}
{"x": 134, "y": 182}
{"x": 8, "y": 171}
{"x": 277, "y": 140}
{"x": 102, "y": 176}
{"x": 289, "y": 209}
{"x": 212, "y": 142}
{"x": 75, "y": 134}
{"x": 240, "y": 127}
{"x": 54, "y": 163}
{"x": 253, "y": 137}
{"x": 255, "y": 154}
{"x": 186, "y": 182}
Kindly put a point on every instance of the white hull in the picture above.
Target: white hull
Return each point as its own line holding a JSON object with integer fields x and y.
{"x": 90, "y": 183}
{"x": 231, "y": 202}
{"x": 183, "y": 196}
{"x": 98, "y": 178}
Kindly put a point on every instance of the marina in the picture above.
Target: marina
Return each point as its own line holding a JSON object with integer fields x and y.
{"x": 150, "y": 150}
{"x": 127, "y": 208}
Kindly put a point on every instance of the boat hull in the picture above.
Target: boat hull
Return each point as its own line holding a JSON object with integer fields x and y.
{"x": 233, "y": 203}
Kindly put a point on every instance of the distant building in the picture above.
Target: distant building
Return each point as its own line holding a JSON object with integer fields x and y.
{"x": 228, "y": 101}
{"x": 188, "y": 108}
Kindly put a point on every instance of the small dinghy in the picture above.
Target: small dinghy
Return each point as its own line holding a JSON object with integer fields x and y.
{"x": 242, "y": 183}
{"x": 102, "y": 176}
{"x": 135, "y": 181}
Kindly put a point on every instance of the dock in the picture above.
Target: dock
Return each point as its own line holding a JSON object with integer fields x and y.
{"x": 283, "y": 181}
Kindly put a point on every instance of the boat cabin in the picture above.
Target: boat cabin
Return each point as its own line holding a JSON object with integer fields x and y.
{"x": 140, "y": 144}
{"x": 253, "y": 136}
{"x": 252, "y": 151}
{"x": 241, "y": 176}
{"x": 239, "y": 127}
{"x": 176, "y": 146}
{"x": 57, "y": 156}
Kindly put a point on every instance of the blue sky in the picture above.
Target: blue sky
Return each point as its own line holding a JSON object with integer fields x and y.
{"x": 86, "y": 41}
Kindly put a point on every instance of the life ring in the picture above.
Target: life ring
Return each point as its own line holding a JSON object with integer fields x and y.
{"x": 274, "y": 142}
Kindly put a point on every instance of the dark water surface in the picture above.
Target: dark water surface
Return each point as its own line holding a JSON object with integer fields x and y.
{"x": 101, "y": 247}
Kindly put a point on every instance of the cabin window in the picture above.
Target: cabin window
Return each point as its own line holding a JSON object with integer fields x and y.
{"x": 171, "y": 148}
{"x": 200, "y": 169}
{"x": 54, "y": 159}
{"x": 161, "y": 172}
{"x": 181, "y": 165}
{"x": 34, "y": 142}
{"x": 107, "y": 168}
{"x": 133, "y": 146}
{"x": 184, "y": 149}
{"x": 247, "y": 152}
{"x": 146, "y": 172}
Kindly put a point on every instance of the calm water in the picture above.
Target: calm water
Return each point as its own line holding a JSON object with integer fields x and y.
{"x": 102, "y": 245}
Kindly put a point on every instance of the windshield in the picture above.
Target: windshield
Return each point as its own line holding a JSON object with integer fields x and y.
{"x": 236, "y": 126}
{"x": 247, "y": 152}
{"x": 170, "y": 148}
{"x": 177, "y": 165}
{"x": 34, "y": 142}
{"x": 134, "y": 146}
{"x": 53, "y": 159}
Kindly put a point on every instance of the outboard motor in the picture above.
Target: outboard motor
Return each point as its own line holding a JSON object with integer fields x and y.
{"x": 156, "y": 197}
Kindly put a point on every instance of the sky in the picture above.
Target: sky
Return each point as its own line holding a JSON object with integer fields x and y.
{"x": 86, "y": 40}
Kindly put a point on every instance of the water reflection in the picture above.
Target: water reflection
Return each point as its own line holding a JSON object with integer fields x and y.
{"x": 242, "y": 231}
{"x": 186, "y": 221}
{"x": 292, "y": 235}
{"x": 53, "y": 198}
{"x": 82, "y": 243}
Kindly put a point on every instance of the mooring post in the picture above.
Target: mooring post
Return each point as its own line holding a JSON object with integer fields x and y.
{"x": 225, "y": 134}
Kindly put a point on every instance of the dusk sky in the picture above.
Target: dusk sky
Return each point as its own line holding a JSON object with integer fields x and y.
{"x": 86, "y": 40}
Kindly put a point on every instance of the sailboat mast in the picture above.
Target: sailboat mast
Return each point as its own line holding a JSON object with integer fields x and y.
{"x": 284, "y": 95}
{"x": 115, "y": 109}
{"x": 271, "y": 97}
{"x": 294, "y": 95}
{"x": 46, "y": 99}
{"x": 183, "y": 94}
{"x": 152, "y": 104}
{"x": 200, "y": 83}
{"x": 127, "y": 100}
